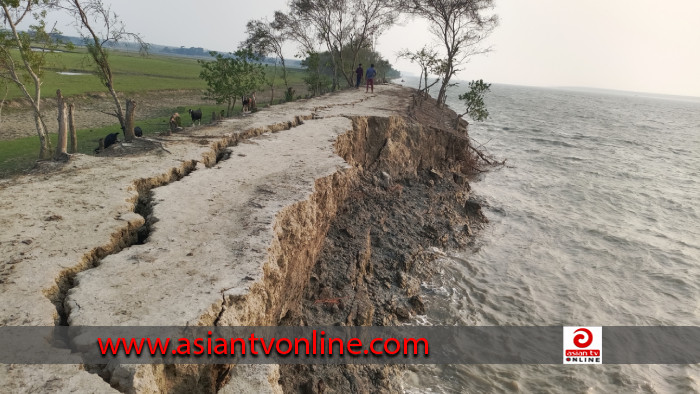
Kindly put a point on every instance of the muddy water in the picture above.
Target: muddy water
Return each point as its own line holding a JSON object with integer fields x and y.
{"x": 595, "y": 221}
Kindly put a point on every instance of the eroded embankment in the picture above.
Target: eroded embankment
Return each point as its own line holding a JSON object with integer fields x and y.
{"x": 226, "y": 246}
{"x": 236, "y": 244}
{"x": 411, "y": 194}
{"x": 63, "y": 220}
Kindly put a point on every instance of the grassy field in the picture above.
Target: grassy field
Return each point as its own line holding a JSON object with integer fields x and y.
{"x": 132, "y": 74}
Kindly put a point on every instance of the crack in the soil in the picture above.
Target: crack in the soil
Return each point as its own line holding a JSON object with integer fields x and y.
{"x": 132, "y": 235}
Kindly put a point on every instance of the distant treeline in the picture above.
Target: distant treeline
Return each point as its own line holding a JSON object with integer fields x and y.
{"x": 196, "y": 52}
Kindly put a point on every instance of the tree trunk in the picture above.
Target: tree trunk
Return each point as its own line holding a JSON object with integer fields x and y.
{"x": 272, "y": 85}
{"x": 119, "y": 113}
{"x": 334, "y": 62}
{"x": 45, "y": 149}
{"x": 62, "y": 144}
{"x": 71, "y": 130}
{"x": 426, "y": 83}
{"x": 44, "y": 142}
{"x": 442, "y": 96}
{"x": 284, "y": 72}
{"x": 2, "y": 102}
{"x": 129, "y": 121}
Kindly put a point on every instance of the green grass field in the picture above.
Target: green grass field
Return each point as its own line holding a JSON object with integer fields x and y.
{"x": 132, "y": 74}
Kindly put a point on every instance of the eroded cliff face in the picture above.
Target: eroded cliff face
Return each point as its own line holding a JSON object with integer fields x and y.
{"x": 410, "y": 196}
{"x": 231, "y": 233}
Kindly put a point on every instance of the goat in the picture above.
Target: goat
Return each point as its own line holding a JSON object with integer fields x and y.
{"x": 196, "y": 115}
{"x": 108, "y": 141}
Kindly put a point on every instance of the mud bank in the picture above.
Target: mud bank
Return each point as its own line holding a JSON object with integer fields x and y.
{"x": 411, "y": 197}
{"x": 226, "y": 227}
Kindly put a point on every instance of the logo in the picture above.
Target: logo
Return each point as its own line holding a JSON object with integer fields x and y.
{"x": 583, "y": 345}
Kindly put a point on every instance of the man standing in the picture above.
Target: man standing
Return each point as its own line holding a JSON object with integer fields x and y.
{"x": 359, "y": 71}
{"x": 371, "y": 73}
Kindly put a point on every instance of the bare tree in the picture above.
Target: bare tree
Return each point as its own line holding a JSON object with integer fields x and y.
{"x": 426, "y": 58}
{"x": 90, "y": 14}
{"x": 265, "y": 38}
{"x": 345, "y": 27}
{"x": 461, "y": 26}
{"x": 368, "y": 19}
{"x": 296, "y": 30}
{"x": 31, "y": 62}
{"x": 329, "y": 23}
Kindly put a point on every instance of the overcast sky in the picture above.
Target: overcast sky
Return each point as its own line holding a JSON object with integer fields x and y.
{"x": 635, "y": 45}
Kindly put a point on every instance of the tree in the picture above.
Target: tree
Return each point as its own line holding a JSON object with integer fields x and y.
{"x": 328, "y": 22}
{"x": 230, "y": 77}
{"x": 316, "y": 81}
{"x": 295, "y": 29}
{"x": 91, "y": 13}
{"x": 461, "y": 26}
{"x": 368, "y": 18}
{"x": 345, "y": 27}
{"x": 267, "y": 38}
{"x": 426, "y": 58}
{"x": 31, "y": 63}
{"x": 474, "y": 101}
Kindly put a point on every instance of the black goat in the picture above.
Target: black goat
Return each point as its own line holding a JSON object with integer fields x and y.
{"x": 196, "y": 115}
{"x": 109, "y": 140}
{"x": 137, "y": 131}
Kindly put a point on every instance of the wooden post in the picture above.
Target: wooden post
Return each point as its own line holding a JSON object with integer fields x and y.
{"x": 129, "y": 121}
{"x": 62, "y": 143}
{"x": 213, "y": 117}
{"x": 71, "y": 130}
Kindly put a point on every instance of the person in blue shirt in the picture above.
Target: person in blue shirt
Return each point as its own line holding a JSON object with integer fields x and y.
{"x": 371, "y": 73}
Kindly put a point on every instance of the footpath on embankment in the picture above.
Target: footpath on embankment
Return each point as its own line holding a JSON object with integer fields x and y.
{"x": 220, "y": 225}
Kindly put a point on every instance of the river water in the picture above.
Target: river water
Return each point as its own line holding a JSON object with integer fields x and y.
{"x": 594, "y": 221}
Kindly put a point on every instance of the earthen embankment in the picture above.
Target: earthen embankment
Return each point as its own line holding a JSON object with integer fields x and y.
{"x": 224, "y": 226}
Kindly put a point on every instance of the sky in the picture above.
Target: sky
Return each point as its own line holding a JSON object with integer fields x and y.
{"x": 633, "y": 45}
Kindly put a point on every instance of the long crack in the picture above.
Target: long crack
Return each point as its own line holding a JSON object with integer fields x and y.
{"x": 143, "y": 206}
{"x": 138, "y": 235}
